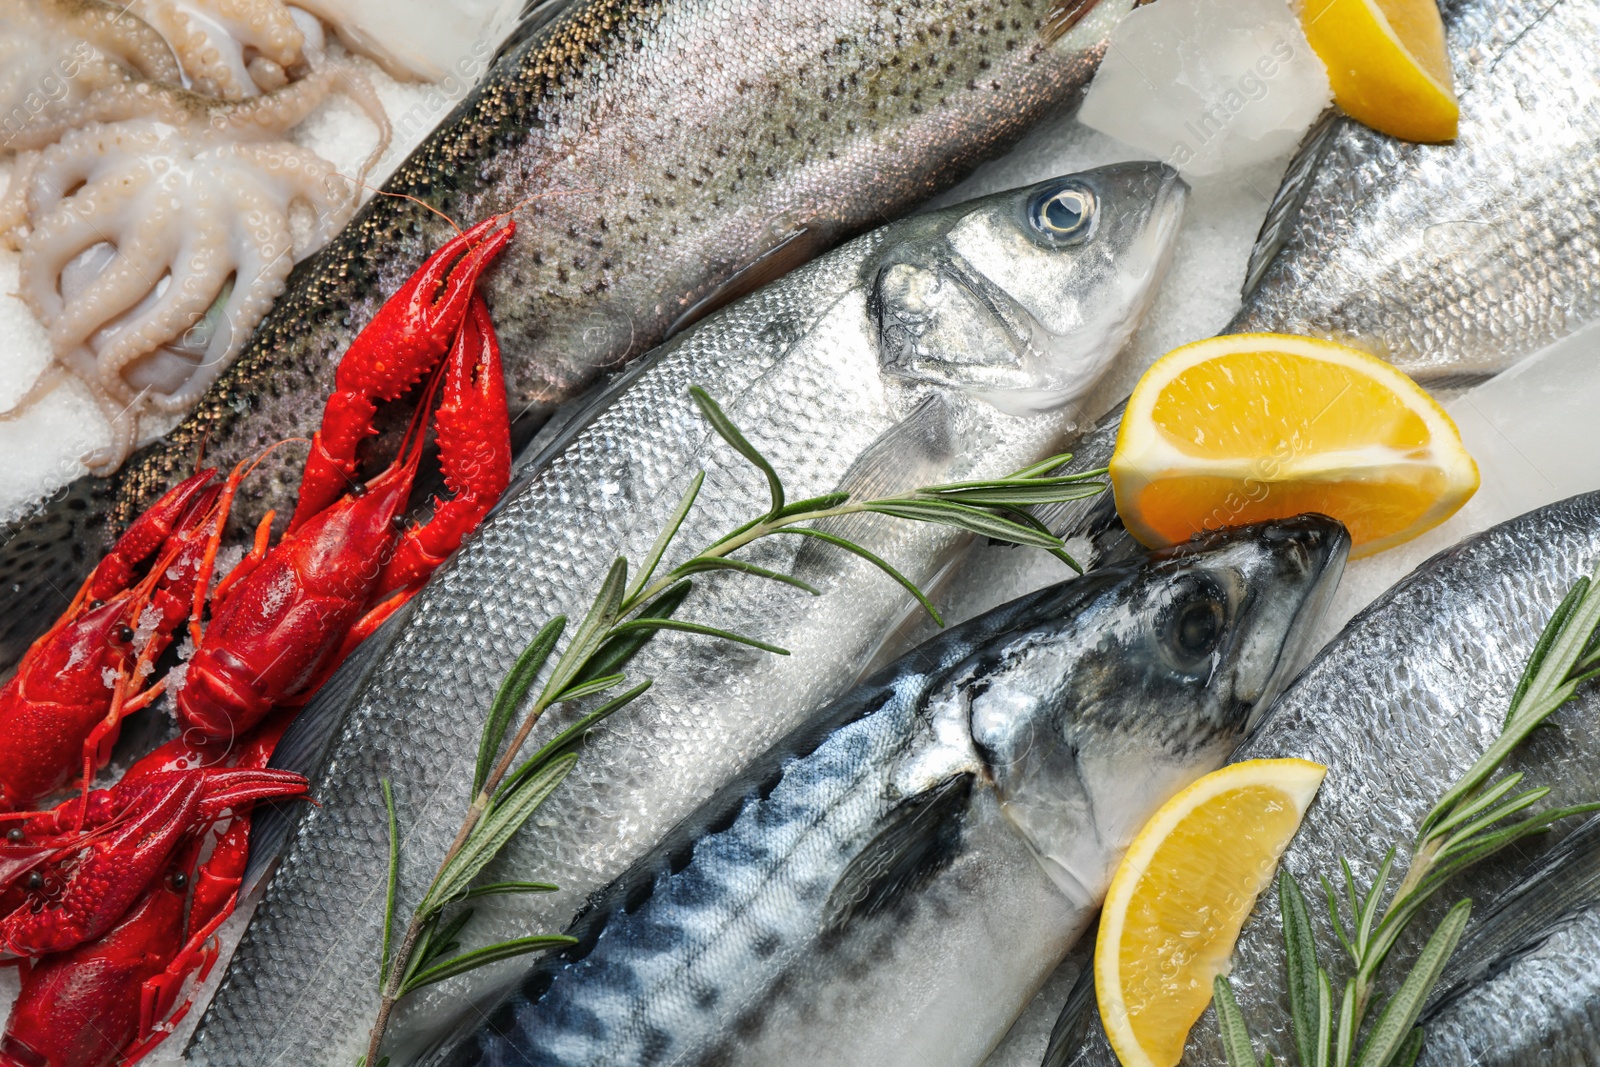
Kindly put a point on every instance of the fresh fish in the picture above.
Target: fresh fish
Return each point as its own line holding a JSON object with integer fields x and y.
{"x": 890, "y": 883}
{"x": 663, "y": 155}
{"x": 1522, "y": 986}
{"x": 1398, "y": 705}
{"x": 942, "y": 347}
{"x": 1451, "y": 261}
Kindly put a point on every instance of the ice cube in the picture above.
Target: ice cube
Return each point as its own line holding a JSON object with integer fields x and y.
{"x": 1209, "y": 86}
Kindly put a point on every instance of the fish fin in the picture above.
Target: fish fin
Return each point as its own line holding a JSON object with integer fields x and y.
{"x": 1062, "y": 15}
{"x": 1072, "y": 1025}
{"x": 916, "y": 842}
{"x": 536, "y": 15}
{"x": 907, "y": 455}
{"x": 1565, "y": 882}
{"x": 1290, "y": 197}
{"x": 795, "y": 248}
{"x": 44, "y": 558}
{"x": 304, "y": 746}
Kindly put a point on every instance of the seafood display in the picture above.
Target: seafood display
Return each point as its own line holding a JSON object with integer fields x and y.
{"x": 940, "y": 348}
{"x": 509, "y": 625}
{"x": 753, "y": 159}
{"x": 154, "y": 192}
{"x": 910, "y": 864}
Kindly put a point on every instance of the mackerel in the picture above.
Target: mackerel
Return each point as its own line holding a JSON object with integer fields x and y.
{"x": 942, "y": 347}
{"x": 890, "y": 883}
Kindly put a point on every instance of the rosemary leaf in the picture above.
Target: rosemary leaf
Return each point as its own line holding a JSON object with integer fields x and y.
{"x": 1558, "y": 622}
{"x": 878, "y": 562}
{"x": 713, "y": 563}
{"x": 1335, "y": 918}
{"x": 617, "y": 650}
{"x": 443, "y": 940}
{"x": 469, "y": 961}
{"x": 730, "y": 433}
{"x": 394, "y": 878}
{"x": 591, "y": 633}
{"x": 1346, "y": 1036}
{"x": 505, "y": 817}
{"x": 1410, "y": 1050}
{"x": 510, "y": 695}
{"x": 588, "y": 688}
{"x": 566, "y": 740}
{"x": 1230, "y": 1023}
{"x": 1505, "y": 810}
{"x": 962, "y": 517}
{"x": 1319, "y": 1056}
{"x": 696, "y": 628}
{"x": 1473, "y": 807}
{"x": 825, "y": 502}
{"x": 1393, "y": 1028}
{"x": 1369, "y": 907}
{"x": 1300, "y": 960}
{"x": 652, "y": 559}
{"x": 1020, "y": 494}
{"x": 497, "y": 888}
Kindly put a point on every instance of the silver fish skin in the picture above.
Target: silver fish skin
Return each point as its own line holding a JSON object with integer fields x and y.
{"x": 942, "y": 347}
{"x": 1452, "y": 260}
{"x": 660, "y": 156}
{"x": 1397, "y": 706}
{"x": 1522, "y": 986}
{"x": 889, "y": 884}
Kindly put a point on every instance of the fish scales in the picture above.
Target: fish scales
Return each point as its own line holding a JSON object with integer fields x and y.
{"x": 801, "y": 368}
{"x": 889, "y": 883}
{"x": 1397, "y": 706}
{"x": 658, "y": 153}
{"x": 1453, "y": 261}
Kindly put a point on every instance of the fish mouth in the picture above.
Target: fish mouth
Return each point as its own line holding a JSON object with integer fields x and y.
{"x": 1326, "y": 544}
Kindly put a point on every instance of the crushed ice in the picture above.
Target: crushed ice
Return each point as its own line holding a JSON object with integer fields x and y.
{"x": 1209, "y": 86}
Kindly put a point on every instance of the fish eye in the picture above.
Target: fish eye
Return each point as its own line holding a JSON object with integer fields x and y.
{"x": 1197, "y": 627}
{"x": 1066, "y": 214}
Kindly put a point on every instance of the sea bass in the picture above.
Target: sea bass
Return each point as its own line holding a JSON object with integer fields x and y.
{"x": 1452, "y": 260}
{"x": 891, "y": 882}
{"x": 662, "y": 156}
{"x": 1397, "y": 706}
{"x": 942, "y": 347}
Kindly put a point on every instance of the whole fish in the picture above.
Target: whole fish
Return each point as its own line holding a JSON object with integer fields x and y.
{"x": 663, "y": 156}
{"x": 1403, "y": 701}
{"x": 1451, "y": 261}
{"x": 942, "y": 347}
{"x": 1522, "y": 986}
{"x": 890, "y": 883}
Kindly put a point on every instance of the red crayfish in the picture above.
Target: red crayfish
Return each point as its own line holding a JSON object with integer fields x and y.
{"x": 116, "y": 892}
{"x": 111, "y": 900}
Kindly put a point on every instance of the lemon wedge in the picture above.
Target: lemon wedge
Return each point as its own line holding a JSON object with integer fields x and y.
{"x": 1182, "y": 893}
{"x": 1249, "y": 427}
{"x": 1387, "y": 64}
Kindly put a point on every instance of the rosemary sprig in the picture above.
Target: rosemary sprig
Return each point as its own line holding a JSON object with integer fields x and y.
{"x": 1472, "y": 821}
{"x": 625, "y": 614}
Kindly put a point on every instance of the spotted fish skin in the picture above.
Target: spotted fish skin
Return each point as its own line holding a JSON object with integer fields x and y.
{"x": 658, "y": 155}
{"x": 890, "y": 882}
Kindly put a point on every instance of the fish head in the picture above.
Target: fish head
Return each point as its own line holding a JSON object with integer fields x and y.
{"x": 1024, "y": 297}
{"x": 1147, "y": 676}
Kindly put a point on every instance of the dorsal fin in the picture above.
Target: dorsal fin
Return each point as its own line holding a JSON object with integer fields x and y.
{"x": 1062, "y": 15}
{"x": 1291, "y": 196}
{"x": 536, "y": 15}
{"x": 915, "y": 842}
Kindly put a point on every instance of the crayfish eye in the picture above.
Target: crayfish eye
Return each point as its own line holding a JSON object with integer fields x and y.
{"x": 399, "y": 523}
{"x": 358, "y": 490}
{"x": 179, "y": 880}
{"x": 35, "y": 881}
{"x": 124, "y": 634}
{"x": 15, "y": 835}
